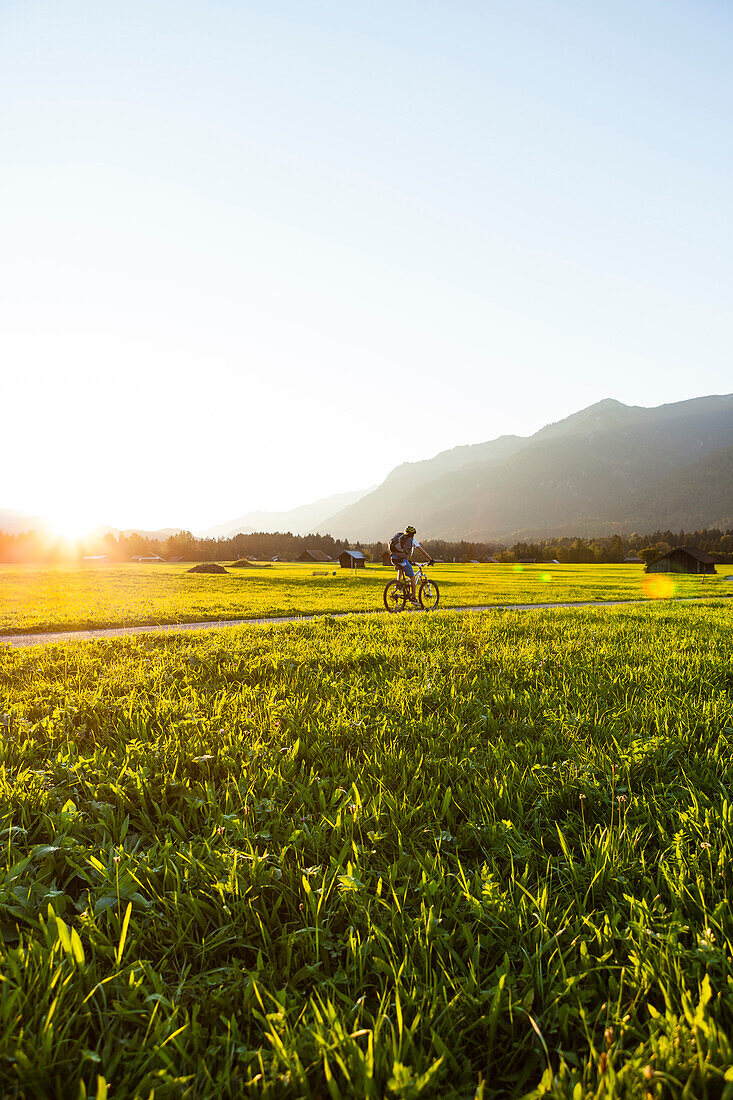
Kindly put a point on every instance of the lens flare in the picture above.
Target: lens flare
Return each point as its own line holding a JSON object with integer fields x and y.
{"x": 518, "y": 568}
{"x": 658, "y": 586}
{"x": 545, "y": 577}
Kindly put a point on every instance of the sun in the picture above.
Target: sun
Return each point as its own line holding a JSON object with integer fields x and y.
{"x": 71, "y": 523}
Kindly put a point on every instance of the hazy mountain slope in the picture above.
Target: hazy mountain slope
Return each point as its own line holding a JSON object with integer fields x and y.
{"x": 411, "y": 474}
{"x": 13, "y": 523}
{"x": 411, "y": 484}
{"x": 305, "y": 520}
{"x": 595, "y": 465}
{"x": 695, "y": 496}
{"x": 162, "y": 534}
{"x": 699, "y": 495}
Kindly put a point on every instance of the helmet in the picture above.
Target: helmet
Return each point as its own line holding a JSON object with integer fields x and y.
{"x": 409, "y": 530}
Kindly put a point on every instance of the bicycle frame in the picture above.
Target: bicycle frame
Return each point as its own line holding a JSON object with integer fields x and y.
{"x": 419, "y": 575}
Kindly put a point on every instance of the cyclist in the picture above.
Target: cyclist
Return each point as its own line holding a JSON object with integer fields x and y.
{"x": 400, "y": 551}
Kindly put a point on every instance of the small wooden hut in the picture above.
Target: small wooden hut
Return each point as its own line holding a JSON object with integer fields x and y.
{"x": 352, "y": 559}
{"x": 314, "y": 555}
{"x": 683, "y": 559}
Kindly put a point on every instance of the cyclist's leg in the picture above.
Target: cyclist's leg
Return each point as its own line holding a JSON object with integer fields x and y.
{"x": 410, "y": 575}
{"x": 397, "y": 562}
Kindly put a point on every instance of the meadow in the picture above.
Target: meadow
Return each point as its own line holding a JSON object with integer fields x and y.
{"x": 67, "y": 598}
{"x": 422, "y": 856}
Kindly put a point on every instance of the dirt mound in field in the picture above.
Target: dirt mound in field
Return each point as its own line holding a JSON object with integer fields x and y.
{"x": 243, "y": 563}
{"x": 208, "y": 567}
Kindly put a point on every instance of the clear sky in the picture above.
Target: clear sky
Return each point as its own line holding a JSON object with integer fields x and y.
{"x": 254, "y": 253}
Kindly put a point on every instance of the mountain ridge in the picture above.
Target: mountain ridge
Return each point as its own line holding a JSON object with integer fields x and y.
{"x": 592, "y": 462}
{"x": 607, "y": 467}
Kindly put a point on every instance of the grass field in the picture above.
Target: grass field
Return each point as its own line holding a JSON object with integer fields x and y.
{"x": 425, "y": 856}
{"x": 63, "y": 598}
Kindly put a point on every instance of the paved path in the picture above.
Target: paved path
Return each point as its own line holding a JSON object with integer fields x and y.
{"x": 220, "y": 624}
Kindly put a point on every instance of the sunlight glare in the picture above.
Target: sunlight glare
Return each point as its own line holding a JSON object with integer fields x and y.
{"x": 658, "y": 586}
{"x": 72, "y": 523}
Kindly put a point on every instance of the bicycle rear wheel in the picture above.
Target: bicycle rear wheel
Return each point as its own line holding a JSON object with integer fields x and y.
{"x": 428, "y": 594}
{"x": 395, "y": 596}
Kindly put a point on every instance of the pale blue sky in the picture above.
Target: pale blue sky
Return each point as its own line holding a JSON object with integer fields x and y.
{"x": 232, "y": 231}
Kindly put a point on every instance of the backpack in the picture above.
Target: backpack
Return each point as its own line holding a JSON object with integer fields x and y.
{"x": 395, "y": 543}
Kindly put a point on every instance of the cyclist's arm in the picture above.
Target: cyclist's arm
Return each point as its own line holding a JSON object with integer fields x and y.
{"x": 424, "y": 552}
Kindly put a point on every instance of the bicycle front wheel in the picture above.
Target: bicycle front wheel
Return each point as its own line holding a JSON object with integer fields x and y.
{"x": 395, "y": 596}
{"x": 428, "y": 594}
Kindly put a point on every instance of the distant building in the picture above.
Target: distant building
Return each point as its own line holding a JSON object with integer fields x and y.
{"x": 95, "y": 557}
{"x": 314, "y": 555}
{"x": 352, "y": 559}
{"x": 147, "y": 557}
{"x": 633, "y": 559}
{"x": 683, "y": 559}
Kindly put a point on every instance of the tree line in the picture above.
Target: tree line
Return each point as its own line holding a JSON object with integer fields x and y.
{"x": 615, "y": 548}
{"x": 34, "y": 546}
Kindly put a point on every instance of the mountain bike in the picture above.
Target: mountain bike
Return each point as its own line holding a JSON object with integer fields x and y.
{"x": 397, "y": 593}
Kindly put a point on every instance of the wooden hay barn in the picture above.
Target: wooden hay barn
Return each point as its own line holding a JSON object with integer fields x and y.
{"x": 352, "y": 559}
{"x": 683, "y": 559}
{"x": 314, "y": 555}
